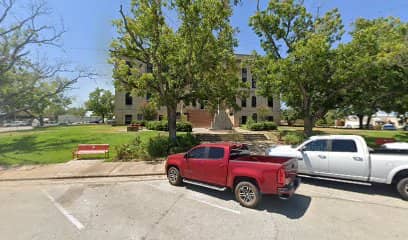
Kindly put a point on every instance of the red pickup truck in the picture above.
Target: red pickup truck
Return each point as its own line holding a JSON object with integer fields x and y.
{"x": 222, "y": 166}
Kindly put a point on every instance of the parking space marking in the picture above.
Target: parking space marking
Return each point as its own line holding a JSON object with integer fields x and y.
{"x": 195, "y": 199}
{"x": 68, "y": 215}
{"x": 215, "y": 205}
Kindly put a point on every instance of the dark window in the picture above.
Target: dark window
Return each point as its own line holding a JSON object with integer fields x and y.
{"x": 243, "y": 102}
{"x": 160, "y": 117}
{"x": 318, "y": 145}
{"x": 216, "y": 153}
{"x": 243, "y": 119}
{"x": 178, "y": 115}
{"x": 128, "y": 119}
{"x": 270, "y": 118}
{"x": 270, "y": 102}
{"x": 253, "y": 82}
{"x": 139, "y": 116}
{"x": 128, "y": 99}
{"x": 244, "y": 74}
{"x": 255, "y": 117}
{"x": 253, "y": 101}
{"x": 344, "y": 146}
{"x": 197, "y": 153}
{"x": 149, "y": 68}
{"x": 148, "y": 96}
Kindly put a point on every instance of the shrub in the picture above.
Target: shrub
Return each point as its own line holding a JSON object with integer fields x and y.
{"x": 262, "y": 126}
{"x": 184, "y": 143}
{"x": 293, "y": 138}
{"x": 155, "y": 147}
{"x": 157, "y": 125}
{"x": 140, "y": 122}
{"x": 158, "y": 146}
{"x": 184, "y": 126}
{"x": 162, "y": 126}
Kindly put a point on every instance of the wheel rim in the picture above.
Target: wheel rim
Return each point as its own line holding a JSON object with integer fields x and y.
{"x": 406, "y": 188}
{"x": 172, "y": 175}
{"x": 246, "y": 193}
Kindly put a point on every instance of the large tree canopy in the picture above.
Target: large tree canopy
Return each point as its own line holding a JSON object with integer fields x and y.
{"x": 299, "y": 61}
{"x": 186, "y": 62}
{"x": 101, "y": 102}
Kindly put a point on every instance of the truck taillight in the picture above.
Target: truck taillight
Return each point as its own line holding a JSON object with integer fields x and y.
{"x": 281, "y": 176}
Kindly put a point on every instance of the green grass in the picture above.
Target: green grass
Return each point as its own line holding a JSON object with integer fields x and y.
{"x": 369, "y": 135}
{"x": 55, "y": 144}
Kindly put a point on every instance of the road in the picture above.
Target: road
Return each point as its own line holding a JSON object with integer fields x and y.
{"x": 149, "y": 208}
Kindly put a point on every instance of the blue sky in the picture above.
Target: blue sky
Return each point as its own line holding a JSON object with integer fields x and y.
{"x": 89, "y": 31}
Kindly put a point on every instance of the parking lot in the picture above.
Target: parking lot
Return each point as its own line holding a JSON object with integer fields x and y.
{"x": 149, "y": 208}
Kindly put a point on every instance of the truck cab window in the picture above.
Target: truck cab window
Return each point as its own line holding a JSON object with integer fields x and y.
{"x": 216, "y": 153}
{"x": 318, "y": 145}
{"x": 198, "y": 153}
{"x": 344, "y": 145}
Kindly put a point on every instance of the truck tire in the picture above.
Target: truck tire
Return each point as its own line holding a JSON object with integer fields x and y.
{"x": 174, "y": 177}
{"x": 247, "y": 194}
{"x": 402, "y": 187}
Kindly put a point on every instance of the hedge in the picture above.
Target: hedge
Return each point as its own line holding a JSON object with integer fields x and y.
{"x": 163, "y": 126}
{"x": 262, "y": 126}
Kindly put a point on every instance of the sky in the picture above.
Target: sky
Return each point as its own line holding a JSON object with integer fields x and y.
{"x": 89, "y": 31}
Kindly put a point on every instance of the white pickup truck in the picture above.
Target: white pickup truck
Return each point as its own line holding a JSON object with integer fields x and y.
{"x": 348, "y": 157}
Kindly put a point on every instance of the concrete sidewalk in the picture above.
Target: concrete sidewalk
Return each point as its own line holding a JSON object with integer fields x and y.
{"x": 82, "y": 169}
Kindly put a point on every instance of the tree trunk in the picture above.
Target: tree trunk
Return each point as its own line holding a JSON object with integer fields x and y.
{"x": 41, "y": 119}
{"x": 367, "y": 126}
{"x": 308, "y": 126}
{"x": 103, "y": 118}
{"x": 171, "y": 121}
{"x": 360, "y": 120}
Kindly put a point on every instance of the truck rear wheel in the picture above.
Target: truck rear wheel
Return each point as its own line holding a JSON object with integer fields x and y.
{"x": 402, "y": 187}
{"x": 247, "y": 194}
{"x": 174, "y": 177}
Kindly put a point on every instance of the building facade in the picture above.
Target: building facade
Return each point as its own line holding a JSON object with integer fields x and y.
{"x": 127, "y": 107}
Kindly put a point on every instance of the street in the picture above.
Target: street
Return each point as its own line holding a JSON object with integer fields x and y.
{"x": 150, "y": 208}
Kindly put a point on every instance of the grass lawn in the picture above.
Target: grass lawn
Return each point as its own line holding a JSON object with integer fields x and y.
{"x": 369, "y": 135}
{"x": 55, "y": 144}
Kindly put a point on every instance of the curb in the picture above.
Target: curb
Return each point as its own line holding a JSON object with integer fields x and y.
{"x": 81, "y": 177}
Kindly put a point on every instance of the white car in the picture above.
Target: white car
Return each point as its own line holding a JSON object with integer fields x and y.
{"x": 348, "y": 157}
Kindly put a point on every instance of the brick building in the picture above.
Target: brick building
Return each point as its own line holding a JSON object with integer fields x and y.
{"x": 127, "y": 106}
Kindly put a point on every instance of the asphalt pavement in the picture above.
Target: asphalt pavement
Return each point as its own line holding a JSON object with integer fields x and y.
{"x": 150, "y": 208}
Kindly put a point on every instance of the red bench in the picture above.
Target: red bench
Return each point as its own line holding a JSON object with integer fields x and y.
{"x": 381, "y": 141}
{"x": 84, "y": 149}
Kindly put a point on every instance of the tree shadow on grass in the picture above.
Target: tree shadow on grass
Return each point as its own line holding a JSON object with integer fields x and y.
{"x": 293, "y": 208}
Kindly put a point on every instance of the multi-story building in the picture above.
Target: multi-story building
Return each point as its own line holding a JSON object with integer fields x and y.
{"x": 127, "y": 107}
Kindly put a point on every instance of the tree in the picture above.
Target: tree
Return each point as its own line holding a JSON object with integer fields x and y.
{"x": 299, "y": 61}
{"x": 376, "y": 62}
{"x": 149, "y": 111}
{"x": 185, "y": 61}
{"x": 101, "y": 102}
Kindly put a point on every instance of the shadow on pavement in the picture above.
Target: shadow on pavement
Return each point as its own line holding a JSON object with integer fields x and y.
{"x": 293, "y": 208}
{"x": 375, "y": 189}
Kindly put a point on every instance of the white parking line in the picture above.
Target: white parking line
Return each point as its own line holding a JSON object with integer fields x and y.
{"x": 195, "y": 199}
{"x": 216, "y": 206}
{"x": 69, "y": 216}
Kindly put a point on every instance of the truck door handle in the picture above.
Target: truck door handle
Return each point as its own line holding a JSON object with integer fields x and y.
{"x": 322, "y": 156}
{"x": 358, "y": 159}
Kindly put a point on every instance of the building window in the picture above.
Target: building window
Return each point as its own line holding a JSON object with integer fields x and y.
{"x": 160, "y": 117}
{"x": 139, "y": 116}
{"x": 255, "y": 117}
{"x": 130, "y": 67}
{"x": 270, "y": 102}
{"x": 149, "y": 68}
{"x": 178, "y": 115}
{"x": 244, "y": 74}
{"x": 270, "y": 118}
{"x": 253, "y": 82}
{"x": 128, "y": 119}
{"x": 253, "y": 101}
{"x": 128, "y": 99}
{"x": 243, "y": 119}
{"x": 243, "y": 102}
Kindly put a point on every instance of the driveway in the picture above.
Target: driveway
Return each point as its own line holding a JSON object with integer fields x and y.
{"x": 149, "y": 208}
